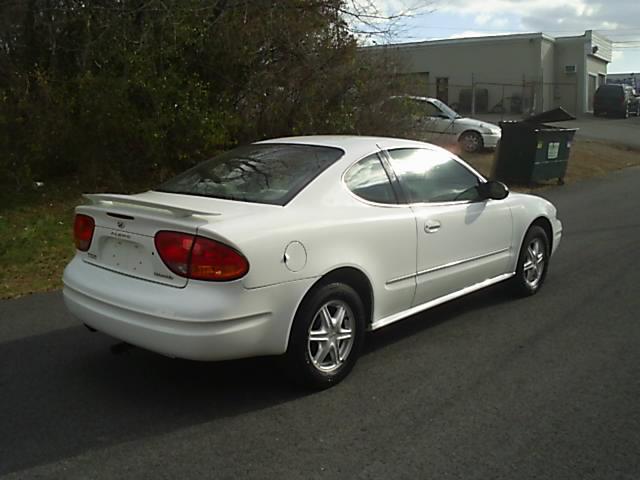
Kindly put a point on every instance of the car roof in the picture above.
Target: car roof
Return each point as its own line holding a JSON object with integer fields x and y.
{"x": 611, "y": 86}
{"x": 355, "y": 147}
{"x": 352, "y": 144}
{"x": 416, "y": 97}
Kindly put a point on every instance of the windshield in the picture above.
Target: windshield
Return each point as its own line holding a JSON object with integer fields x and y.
{"x": 446, "y": 108}
{"x": 263, "y": 173}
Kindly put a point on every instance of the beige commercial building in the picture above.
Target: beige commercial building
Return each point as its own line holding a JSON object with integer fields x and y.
{"x": 520, "y": 73}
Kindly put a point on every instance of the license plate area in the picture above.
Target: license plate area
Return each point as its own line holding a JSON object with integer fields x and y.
{"x": 130, "y": 254}
{"x": 127, "y": 256}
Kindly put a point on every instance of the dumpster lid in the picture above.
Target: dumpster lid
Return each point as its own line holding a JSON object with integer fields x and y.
{"x": 556, "y": 115}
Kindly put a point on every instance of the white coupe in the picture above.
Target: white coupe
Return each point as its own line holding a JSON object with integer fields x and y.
{"x": 297, "y": 246}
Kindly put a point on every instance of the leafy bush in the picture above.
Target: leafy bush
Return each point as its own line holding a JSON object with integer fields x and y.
{"x": 124, "y": 93}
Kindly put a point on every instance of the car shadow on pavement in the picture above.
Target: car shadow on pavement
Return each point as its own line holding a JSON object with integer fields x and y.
{"x": 396, "y": 332}
{"x": 65, "y": 392}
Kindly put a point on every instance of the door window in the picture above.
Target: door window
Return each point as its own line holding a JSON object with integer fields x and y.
{"x": 368, "y": 180}
{"x": 431, "y": 110}
{"x": 429, "y": 176}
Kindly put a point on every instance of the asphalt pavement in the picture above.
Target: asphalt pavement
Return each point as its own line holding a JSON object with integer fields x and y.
{"x": 486, "y": 387}
{"x": 618, "y": 131}
{"x": 624, "y": 132}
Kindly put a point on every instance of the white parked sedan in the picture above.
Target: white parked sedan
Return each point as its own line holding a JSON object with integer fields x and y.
{"x": 443, "y": 125}
{"x": 297, "y": 246}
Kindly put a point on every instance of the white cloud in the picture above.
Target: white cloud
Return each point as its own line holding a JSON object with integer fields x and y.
{"x": 391, "y": 8}
{"x": 475, "y": 33}
{"x": 516, "y": 7}
{"x": 499, "y": 22}
{"x": 534, "y": 15}
{"x": 490, "y": 20}
{"x": 483, "y": 19}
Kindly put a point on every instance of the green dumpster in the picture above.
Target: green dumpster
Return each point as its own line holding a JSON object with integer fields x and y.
{"x": 531, "y": 151}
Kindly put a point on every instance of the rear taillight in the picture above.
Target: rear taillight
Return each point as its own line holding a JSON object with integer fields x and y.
{"x": 200, "y": 258}
{"x": 174, "y": 249}
{"x": 83, "y": 227}
{"x": 211, "y": 260}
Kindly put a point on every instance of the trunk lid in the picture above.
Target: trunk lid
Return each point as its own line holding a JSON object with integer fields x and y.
{"x": 125, "y": 227}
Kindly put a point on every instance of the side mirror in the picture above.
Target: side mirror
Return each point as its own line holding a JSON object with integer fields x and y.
{"x": 493, "y": 190}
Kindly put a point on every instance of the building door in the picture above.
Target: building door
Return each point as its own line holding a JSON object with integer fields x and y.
{"x": 591, "y": 92}
{"x": 442, "y": 89}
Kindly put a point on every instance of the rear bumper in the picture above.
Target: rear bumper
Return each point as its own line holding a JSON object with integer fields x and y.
{"x": 612, "y": 109}
{"x": 203, "y": 321}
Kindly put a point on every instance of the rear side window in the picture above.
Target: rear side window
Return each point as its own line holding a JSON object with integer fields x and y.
{"x": 428, "y": 176}
{"x": 368, "y": 180}
{"x": 262, "y": 173}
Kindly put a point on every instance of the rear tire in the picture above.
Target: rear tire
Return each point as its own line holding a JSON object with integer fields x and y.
{"x": 533, "y": 263}
{"x": 326, "y": 337}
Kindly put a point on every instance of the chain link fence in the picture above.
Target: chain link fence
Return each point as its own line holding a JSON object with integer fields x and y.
{"x": 504, "y": 99}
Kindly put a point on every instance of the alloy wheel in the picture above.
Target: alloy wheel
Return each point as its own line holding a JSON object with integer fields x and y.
{"x": 471, "y": 142}
{"x": 534, "y": 263}
{"x": 331, "y": 336}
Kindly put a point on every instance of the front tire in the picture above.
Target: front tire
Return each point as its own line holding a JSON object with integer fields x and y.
{"x": 533, "y": 263}
{"x": 326, "y": 337}
{"x": 471, "y": 142}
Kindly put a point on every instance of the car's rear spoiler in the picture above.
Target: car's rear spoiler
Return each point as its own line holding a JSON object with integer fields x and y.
{"x": 110, "y": 199}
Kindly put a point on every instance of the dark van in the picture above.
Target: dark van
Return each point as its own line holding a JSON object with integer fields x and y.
{"x": 619, "y": 100}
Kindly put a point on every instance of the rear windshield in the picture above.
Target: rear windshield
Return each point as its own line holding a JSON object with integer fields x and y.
{"x": 262, "y": 173}
{"x": 610, "y": 91}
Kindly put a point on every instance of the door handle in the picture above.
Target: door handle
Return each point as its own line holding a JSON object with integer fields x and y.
{"x": 432, "y": 226}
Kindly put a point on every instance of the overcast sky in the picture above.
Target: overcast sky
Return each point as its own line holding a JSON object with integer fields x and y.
{"x": 619, "y": 20}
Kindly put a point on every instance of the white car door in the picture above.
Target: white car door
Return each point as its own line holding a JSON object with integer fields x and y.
{"x": 461, "y": 239}
{"x": 437, "y": 125}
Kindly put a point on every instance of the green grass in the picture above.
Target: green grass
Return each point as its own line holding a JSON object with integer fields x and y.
{"x": 36, "y": 239}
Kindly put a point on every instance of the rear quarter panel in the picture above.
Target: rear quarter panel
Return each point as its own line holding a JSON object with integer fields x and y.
{"x": 336, "y": 230}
